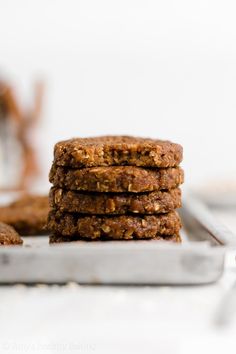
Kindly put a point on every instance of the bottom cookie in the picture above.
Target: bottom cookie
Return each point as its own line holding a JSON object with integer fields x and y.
{"x": 60, "y": 239}
{"x": 113, "y": 227}
{"x": 9, "y": 236}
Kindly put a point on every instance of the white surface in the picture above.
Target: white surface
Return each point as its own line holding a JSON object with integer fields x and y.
{"x": 114, "y": 319}
{"x": 146, "y": 67}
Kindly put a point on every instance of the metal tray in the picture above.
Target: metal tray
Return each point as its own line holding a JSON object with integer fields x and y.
{"x": 198, "y": 260}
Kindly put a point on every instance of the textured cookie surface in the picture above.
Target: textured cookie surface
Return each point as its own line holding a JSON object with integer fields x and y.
{"x": 168, "y": 238}
{"x": 117, "y": 150}
{"x": 113, "y": 227}
{"x": 116, "y": 178}
{"x": 111, "y": 203}
{"x": 8, "y": 236}
{"x": 28, "y": 215}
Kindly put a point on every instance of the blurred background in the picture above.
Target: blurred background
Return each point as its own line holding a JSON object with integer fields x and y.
{"x": 151, "y": 68}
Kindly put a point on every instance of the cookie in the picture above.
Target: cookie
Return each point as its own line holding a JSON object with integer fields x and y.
{"x": 28, "y": 214}
{"x": 30, "y": 200}
{"x": 117, "y": 150}
{"x": 116, "y": 178}
{"x": 59, "y": 239}
{"x": 116, "y": 204}
{"x": 113, "y": 227}
{"x": 9, "y": 236}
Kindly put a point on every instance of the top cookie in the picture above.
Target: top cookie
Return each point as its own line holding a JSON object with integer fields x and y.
{"x": 117, "y": 150}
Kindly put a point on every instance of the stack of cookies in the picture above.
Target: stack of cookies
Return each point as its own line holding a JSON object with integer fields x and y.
{"x": 115, "y": 188}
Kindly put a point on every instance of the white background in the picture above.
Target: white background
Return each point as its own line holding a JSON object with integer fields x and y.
{"x": 152, "y": 68}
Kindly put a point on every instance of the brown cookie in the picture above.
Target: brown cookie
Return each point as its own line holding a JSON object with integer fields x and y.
{"x": 31, "y": 200}
{"x": 28, "y": 214}
{"x": 59, "y": 239}
{"x": 116, "y": 179}
{"x": 117, "y": 150}
{"x": 113, "y": 227}
{"x": 116, "y": 204}
{"x": 9, "y": 236}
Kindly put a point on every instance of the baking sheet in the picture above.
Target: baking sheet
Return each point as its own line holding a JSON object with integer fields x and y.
{"x": 198, "y": 260}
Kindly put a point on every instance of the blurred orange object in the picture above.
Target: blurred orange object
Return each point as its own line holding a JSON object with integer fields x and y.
{"x": 23, "y": 123}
